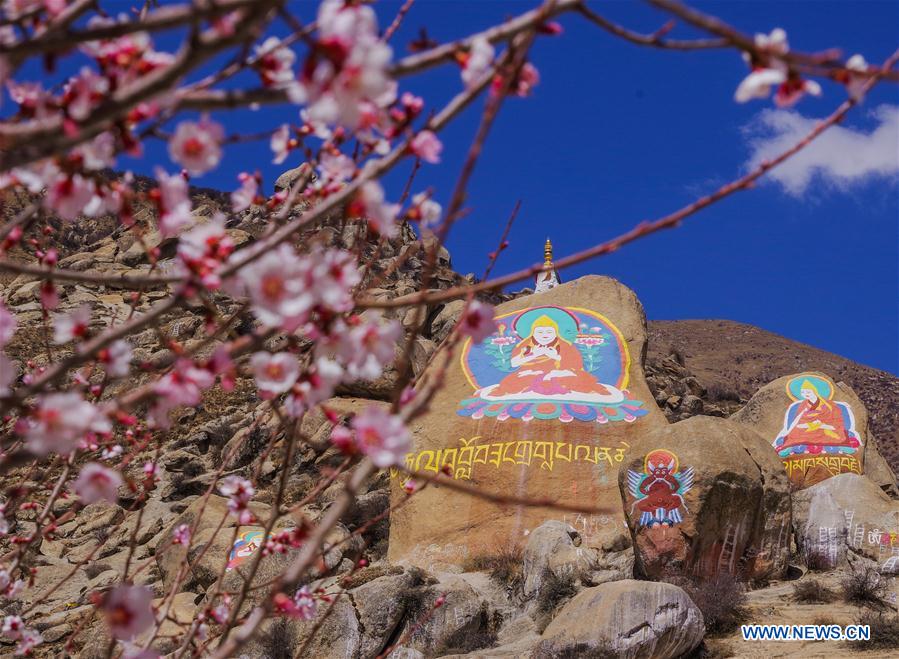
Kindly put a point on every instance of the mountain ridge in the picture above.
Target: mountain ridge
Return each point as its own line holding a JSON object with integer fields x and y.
{"x": 731, "y": 359}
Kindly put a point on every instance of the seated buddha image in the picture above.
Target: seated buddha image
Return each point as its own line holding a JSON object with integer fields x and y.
{"x": 547, "y": 366}
{"x": 816, "y": 423}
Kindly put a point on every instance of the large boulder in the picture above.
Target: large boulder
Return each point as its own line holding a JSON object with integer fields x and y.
{"x": 706, "y": 496}
{"x": 380, "y": 606}
{"x": 436, "y": 628}
{"x": 333, "y": 633}
{"x": 625, "y": 619}
{"x": 430, "y": 617}
{"x": 201, "y": 514}
{"x": 846, "y": 514}
{"x": 555, "y": 550}
{"x": 544, "y": 408}
{"x": 818, "y": 428}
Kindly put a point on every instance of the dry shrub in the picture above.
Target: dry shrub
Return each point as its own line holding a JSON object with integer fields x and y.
{"x": 884, "y": 629}
{"x": 547, "y": 650}
{"x": 813, "y": 591}
{"x": 92, "y": 570}
{"x": 464, "y": 641}
{"x": 864, "y": 587}
{"x": 825, "y": 620}
{"x": 418, "y": 599}
{"x": 505, "y": 567}
{"x": 716, "y": 393}
{"x": 478, "y": 634}
{"x": 676, "y": 354}
{"x": 554, "y": 591}
{"x": 706, "y": 650}
{"x": 721, "y": 599}
{"x": 278, "y": 641}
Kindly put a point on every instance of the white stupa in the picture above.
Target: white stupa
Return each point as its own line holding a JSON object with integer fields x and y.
{"x": 547, "y": 278}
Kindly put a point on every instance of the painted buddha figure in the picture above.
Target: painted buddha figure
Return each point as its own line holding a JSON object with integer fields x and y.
{"x": 815, "y": 421}
{"x": 547, "y": 365}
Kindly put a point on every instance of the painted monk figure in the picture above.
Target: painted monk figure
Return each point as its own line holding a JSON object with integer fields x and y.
{"x": 814, "y": 421}
{"x": 547, "y": 365}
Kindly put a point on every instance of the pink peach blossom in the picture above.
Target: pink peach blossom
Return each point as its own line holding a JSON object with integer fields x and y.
{"x": 97, "y": 483}
{"x": 197, "y": 146}
{"x": 181, "y": 535}
{"x": 758, "y": 84}
{"x": 71, "y": 325}
{"x": 382, "y": 436}
{"x": 7, "y": 325}
{"x": 281, "y": 287}
{"x": 425, "y": 210}
{"x": 381, "y": 215}
{"x": 60, "y": 420}
{"x": 427, "y": 146}
{"x": 116, "y": 359}
{"x": 245, "y": 195}
{"x": 174, "y": 202}
{"x": 478, "y": 62}
{"x": 239, "y": 492}
{"x": 69, "y": 195}
{"x": 477, "y": 322}
{"x": 369, "y": 346}
{"x": 274, "y": 373}
{"x": 793, "y": 89}
{"x": 128, "y": 611}
{"x": 314, "y": 386}
{"x": 280, "y": 144}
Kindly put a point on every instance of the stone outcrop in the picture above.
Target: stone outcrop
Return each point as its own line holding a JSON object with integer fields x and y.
{"x": 555, "y": 549}
{"x": 818, "y": 428}
{"x": 679, "y": 392}
{"x": 170, "y": 558}
{"x": 734, "y": 360}
{"x": 735, "y": 515}
{"x": 706, "y": 496}
{"x": 421, "y": 614}
{"x": 515, "y": 419}
{"x": 625, "y": 619}
{"x": 843, "y": 515}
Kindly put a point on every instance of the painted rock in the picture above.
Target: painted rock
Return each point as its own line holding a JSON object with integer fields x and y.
{"x": 545, "y": 408}
{"x": 817, "y": 428}
{"x": 706, "y": 496}
{"x": 846, "y": 513}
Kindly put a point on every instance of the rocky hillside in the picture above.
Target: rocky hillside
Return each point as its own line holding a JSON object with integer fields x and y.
{"x": 522, "y": 598}
{"x": 731, "y": 361}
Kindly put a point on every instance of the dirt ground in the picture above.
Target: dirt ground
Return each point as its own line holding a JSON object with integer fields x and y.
{"x": 775, "y": 605}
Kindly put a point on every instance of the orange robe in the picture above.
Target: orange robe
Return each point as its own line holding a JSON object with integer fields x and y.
{"x": 531, "y": 377}
{"x": 816, "y": 415}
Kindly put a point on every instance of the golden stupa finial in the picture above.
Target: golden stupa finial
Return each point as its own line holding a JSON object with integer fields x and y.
{"x": 548, "y": 254}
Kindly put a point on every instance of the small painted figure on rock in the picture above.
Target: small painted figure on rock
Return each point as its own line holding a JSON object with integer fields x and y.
{"x": 245, "y": 546}
{"x": 659, "y": 491}
{"x": 816, "y": 423}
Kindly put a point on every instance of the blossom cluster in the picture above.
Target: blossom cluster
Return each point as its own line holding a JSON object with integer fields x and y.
{"x": 770, "y": 70}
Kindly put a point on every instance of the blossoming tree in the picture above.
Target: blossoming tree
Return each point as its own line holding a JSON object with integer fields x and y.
{"x": 71, "y": 437}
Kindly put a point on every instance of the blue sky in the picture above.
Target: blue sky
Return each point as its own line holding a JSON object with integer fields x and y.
{"x": 615, "y": 134}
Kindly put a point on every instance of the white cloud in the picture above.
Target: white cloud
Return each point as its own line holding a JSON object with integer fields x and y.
{"x": 840, "y": 157}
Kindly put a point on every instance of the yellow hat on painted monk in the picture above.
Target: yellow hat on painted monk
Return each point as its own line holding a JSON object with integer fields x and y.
{"x": 545, "y": 321}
